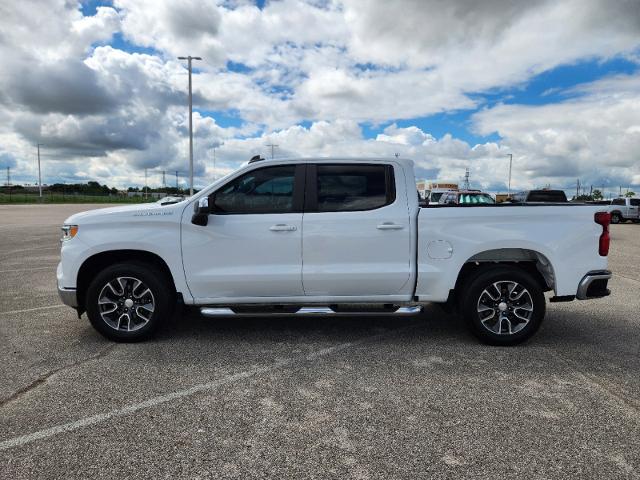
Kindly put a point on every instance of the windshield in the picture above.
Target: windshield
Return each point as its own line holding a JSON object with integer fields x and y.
{"x": 435, "y": 196}
{"x": 473, "y": 198}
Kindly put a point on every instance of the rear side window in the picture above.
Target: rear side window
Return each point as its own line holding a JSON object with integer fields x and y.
{"x": 435, "y": 197}
{"x": 618, "y": 201}
{"x": 349, "y": 188}
{"x": 547, "y": 196}
{"x": 266, "y": 190}
{"x": 475, "y": 198}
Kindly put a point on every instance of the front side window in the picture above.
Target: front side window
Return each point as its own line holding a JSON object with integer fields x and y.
{"x": 266, "y": 190}
{"x": 635, "y": 202}
{"x": 348, "y": 188}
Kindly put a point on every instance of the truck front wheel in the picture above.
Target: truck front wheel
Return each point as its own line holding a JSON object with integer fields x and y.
{"x": 616, "y": 217}
{"x": 503, "y": 305}
{"x": 127, "y": 302}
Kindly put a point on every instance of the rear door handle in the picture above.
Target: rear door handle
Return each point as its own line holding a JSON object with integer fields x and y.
{"x": 281, "y": 227}
{"x": 390, "y": 226}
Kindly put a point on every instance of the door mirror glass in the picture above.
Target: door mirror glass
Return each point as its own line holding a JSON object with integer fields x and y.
{"x": 201, "y": 212}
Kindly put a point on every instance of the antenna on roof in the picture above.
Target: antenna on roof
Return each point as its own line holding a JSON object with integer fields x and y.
{"x": 256, "y": 158}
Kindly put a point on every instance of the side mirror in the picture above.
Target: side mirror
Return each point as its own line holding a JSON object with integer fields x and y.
{"x": 201, "y": 212}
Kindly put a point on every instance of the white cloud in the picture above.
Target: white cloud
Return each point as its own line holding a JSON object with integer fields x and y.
{"x": 595, "y": 136}
{"x": 108, "y": 114}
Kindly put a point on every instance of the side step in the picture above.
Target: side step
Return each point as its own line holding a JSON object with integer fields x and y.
{"x": 307, "y": 311}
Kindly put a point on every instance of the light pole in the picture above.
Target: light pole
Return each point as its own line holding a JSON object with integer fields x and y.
{"x": 189, "y": 59}
{"x": 39, "y": 172}
{"x": 510, "y": 164}
{"x": 214, "y": 164}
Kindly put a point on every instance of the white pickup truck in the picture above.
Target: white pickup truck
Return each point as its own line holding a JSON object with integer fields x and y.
{"x": 332, "y": 236}
{"x": 623, "y": 209}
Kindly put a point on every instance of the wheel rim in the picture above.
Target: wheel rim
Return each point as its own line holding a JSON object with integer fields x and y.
{"x": 126, "y": 304}
{"x": 505, "y": 307}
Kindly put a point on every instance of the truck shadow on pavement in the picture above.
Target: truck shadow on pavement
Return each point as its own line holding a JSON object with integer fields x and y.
{"x": 433, "y": 322}
{"x": 433, "y": 326}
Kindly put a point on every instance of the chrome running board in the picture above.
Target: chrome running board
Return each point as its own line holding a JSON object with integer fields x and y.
{"x": 304, "y": 311}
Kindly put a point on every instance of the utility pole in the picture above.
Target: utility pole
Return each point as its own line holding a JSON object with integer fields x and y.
{"x": 510, "y": 164}
{"x": 145, "y": 184}
{"x": 466, "y": 184}
{"x": 189, "y": 59}
{"x": 578, "y": 189}
{"x": 272, "y": 145}
{"x": 8, "y": 176}
{"x": 164, "y": 180}
{"x": 39, "y": 173}
{"x": 176, "y": 181}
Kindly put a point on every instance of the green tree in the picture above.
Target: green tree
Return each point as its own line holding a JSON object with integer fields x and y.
{"x": 630, "y": 194}
{"x": 597, "y": 195}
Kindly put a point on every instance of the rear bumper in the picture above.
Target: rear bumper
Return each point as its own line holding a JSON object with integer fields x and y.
{"x": 68, "y": 296}
{"x": 594, "y": 285}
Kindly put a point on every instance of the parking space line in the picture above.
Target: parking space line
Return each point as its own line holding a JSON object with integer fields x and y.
{"x": 10, "y": 312}
{"x": 177, "y": 395}
{"x": 33, "y": 249}
{"x": 152, "y": 402}
{"x": 28, "y": 269}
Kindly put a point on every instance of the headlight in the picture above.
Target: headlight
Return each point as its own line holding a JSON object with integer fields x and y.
{"x": 68, "y": 232}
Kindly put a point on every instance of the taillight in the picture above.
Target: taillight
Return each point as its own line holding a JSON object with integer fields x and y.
{"x": 604, "y": 219}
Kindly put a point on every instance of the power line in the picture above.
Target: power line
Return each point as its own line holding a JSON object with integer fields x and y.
{"x": 189, "y": 58}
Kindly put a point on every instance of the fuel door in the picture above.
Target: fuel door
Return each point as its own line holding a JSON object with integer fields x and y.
{"x": 439, "y": 249}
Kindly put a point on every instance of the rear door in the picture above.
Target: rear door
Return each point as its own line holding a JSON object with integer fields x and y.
{"x": 356, "y": 231}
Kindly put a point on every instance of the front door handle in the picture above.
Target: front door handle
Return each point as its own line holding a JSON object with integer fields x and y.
{"x": 390, "y": 226}
{"x": 281, "y": 227}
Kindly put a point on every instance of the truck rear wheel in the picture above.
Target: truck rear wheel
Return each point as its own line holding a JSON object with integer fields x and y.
{"x": 127, "y": 302}
{"x": 503, "y": 305}
{"x": 616, "y": 217}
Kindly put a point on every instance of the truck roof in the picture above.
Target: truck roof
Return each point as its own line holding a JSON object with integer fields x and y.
{"x": 403, "y": 161}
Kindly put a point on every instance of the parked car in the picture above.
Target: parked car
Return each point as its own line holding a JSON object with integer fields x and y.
{"x": 540, "y": 196}
{"x": 623, "y": 209}
{"x": 169, "y": 199}
{"x": 466, "y": 197}
{"x": 436, "y": 190}
{"x": 329, "y": 236}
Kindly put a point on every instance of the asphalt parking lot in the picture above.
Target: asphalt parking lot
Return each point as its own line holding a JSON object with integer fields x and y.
{"x": 311, "y": 397}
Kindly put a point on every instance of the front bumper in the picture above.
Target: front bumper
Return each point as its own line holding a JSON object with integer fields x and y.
{"x": 594, "y": 285}
{"x": 68, "y": 296}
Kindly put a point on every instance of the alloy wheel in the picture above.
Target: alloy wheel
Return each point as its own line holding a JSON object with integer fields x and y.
{"x": 505, "y": 307}
{"x": 126, "y": 304}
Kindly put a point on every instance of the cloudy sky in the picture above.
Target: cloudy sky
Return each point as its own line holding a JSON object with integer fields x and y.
{"x": 450, "y": 84}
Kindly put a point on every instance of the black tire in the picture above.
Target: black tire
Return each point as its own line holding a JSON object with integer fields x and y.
{"x": 477, "y": 293}
{"x": 161, "y": 298}
{"x": 616, "y": 217}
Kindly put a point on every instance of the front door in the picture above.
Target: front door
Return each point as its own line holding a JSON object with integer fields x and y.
{"x": 357, "y": 235}
{"x": 252, "y": 245}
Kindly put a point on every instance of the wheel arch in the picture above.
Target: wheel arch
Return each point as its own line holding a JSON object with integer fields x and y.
{"x": 531, "y": 261}
{"x": 97, "y": 262}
